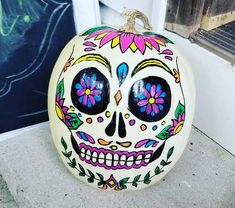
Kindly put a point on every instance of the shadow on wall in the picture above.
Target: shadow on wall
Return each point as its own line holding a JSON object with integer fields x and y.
{"x": 32, "y": 35}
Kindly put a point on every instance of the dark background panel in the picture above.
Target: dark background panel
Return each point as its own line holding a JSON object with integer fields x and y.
{"x": 29, "y": 50}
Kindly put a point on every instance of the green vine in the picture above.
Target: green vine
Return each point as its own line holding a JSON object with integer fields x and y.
{"x": 121, "y": 185}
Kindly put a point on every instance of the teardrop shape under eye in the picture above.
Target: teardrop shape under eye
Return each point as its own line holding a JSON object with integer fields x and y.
{"x": 122, "y": 72}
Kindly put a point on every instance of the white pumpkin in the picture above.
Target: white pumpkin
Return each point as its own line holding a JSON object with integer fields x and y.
{"x": 121, "y": 106}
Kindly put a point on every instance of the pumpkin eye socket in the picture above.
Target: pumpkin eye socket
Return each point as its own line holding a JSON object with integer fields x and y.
{"x": 90, "y": 91}
{"x": 150, "y": 99}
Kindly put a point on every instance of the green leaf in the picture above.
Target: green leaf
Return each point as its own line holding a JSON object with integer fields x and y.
{"x": 91, "y": 178}
{"x": 82, "y": 170}
{"x": 157, "y": 170}
{"x": 60, "y": 88}
{"x": 64, "y": 143}
{"x": 179, "y": 110}
{"x": 164, "y": 163}
{"x": 164, "y": 134}
{"x": 170, "y": 152}
{"x": 124, "y": 180}
{"x": 122, "y": 186}
{"x": 67, "y": 154}
{"x": 101, "y": 177}
{"x": 136, "y": 179}
{"x": 147, "y": 178}
{"x": 122, "y": 183}
{"x": 101, "y": 183}
{"x": 94, "y": 29}
{"x": 134, "y": 184}
{"x": 73, "y": 163}
{"x": 75, "y": 121}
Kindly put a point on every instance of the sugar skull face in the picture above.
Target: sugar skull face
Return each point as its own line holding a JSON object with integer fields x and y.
{"x": 117, "y": 107}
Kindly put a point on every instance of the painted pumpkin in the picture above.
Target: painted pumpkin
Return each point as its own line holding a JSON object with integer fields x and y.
{"x": 121, "y": 105}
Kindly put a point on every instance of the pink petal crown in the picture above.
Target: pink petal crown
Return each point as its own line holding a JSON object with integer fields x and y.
{"x": 126, "y": 40}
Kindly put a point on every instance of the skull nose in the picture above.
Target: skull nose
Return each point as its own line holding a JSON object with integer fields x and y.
{"x": 121, "y": 126}
{"x": 110, "y": 129}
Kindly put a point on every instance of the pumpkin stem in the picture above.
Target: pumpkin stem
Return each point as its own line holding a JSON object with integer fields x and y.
{"x": 130, "y": 15}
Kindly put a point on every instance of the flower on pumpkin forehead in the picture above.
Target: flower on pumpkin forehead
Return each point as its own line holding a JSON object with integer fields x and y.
{"x": 177, "y": 124}
{"x": 128, "y": 40}
{"x": 62, "y": 111}
{"x": 89, "y": 90}
{"x": 151, "y": 99}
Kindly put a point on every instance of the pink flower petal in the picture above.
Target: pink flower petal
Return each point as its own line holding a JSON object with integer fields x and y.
{"x": 179, "y": 118}
{"x": 61, "y": 102}
{"x": 80, "y": 92}
{"x": 155, "y": 108}
{"x": 142, "y": 102}
{"x": 96, "y": 92}
{"x": 88, "y": 82}
{"x": 94, "y": 34}
{"x": 148, "y": 109}
{"x": 159, "y": 38}
{"x": 67, "y": 123}
{"x": 140, "y": 43}
{"x": 84, "y": 101}
{"x": 175, "y": 122}
{"x": 108, "y": 37}
{"x": 65, "y": 109}
{"x": 158, "y": 93}
{"x": 153, "y": 90}
{"x": 58, "y": 97}
{"x": 159, "y": 101}
{"x": 141, "y": 143}
{"x": 152, "y": 42}
{"x": 146, "y": 93}
{"x": 126, "y": 40}
{"x": 183, "y": 117}
{"x": 92, "y": 99}
{"x": 82, "y": 82}
{"x": 94, "y": 84}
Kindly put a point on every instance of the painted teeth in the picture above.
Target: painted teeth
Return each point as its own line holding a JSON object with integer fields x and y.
{"x": 122, "y": 160}
{"x": 94, "y": 156}
{"x": 88, "y": 155}
{"x": 147, "y": 158}
{"x": 130, "y": 161}
{"x": 113, "y": 160}
{"x": 101, "y": 158}
{"x": 138, "y": 159}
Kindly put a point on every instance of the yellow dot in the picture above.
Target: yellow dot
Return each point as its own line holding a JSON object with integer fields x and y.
{"x": 143, "y": 127}
{"x": 163, "y": 123}
{"x": 127, "y": 115}
{"x": 151, "y": 100}
{"x": 113, "y": 147}
{"x": 88, "y": 91}
{"x": 72, "y": 108}
{"x": 107, "y": 114}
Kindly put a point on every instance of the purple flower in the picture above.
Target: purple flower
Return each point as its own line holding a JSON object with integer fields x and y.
{"x": 62, "y": 111}
{"x": 89, "y": 90}
{"x": 151, "y": 99}
{"x": 177, "y": 124}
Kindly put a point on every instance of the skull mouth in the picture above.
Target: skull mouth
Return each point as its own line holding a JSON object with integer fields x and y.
{"x": 113, "y": 160}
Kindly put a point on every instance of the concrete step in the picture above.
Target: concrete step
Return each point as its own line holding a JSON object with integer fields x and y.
{"x": 6, "y": 199}
{"x": 204, "y": 177}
